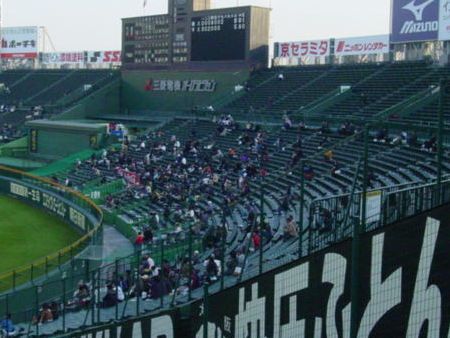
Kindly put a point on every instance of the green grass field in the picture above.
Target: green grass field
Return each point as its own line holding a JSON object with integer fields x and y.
{"x": 27, "y": 234}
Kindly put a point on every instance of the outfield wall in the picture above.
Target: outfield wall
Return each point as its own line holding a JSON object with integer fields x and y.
{"x": 405, "y": 292}
{"x": 49, "y": 201}
{"x": 48, "y": 277}
{"x": 141, "y": 90}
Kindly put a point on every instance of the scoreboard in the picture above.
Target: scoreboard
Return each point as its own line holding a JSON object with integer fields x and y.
{"x": 193, "y": 36}
{"x": 219, "y": 37}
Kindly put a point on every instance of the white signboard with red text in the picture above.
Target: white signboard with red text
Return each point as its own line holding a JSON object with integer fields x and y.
{"x": 19, "y": 42}
{"x": 109, "y": 56}
{"x": 364, "y": 45}
{"x": 81, "y": 58}
{"x": 304, "y": 49}
{"x": 63, "y": 58}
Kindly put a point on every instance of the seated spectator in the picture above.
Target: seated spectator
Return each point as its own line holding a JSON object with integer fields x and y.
{"x": 110, "y": 299}
{"x": 381, "y": 136}
{"x": 328, "y": 155}
{"x": 266, "y": 232}
{"x": 308, "y": 172}
{"x": 430, "y": 145}
{"x": 81, "y": 296}
{"x": 231, "y": 264}
{"x": 256, "y": 240}
{"x": 279, "y": 144}
{"x": 370, "y": 178}
{"x": 287, "y": 122}
{"x": 148, "y": 235}
{"x": 335, "y": 170}
{"x": 124, "y": 283}
{"x": 120, "y": 293}
{"x": 45, "y": 315}
{"x": 195, "y": 280}
{"x": 325, "y": 127}
{"x": 7, "y": 327}
{"x": 284, "y": 205}
{"x": 325, "y": 220}
{"x": 290, "y": 230}
{"x": 412, "y": 139}
{"x": 212, "y": 266}
{"x": 323, "y": 143}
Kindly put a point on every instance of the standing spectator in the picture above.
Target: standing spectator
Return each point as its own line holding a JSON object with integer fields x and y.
{"x": 139, "y": 241}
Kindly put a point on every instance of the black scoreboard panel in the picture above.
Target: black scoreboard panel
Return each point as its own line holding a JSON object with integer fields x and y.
{"x": 146, "y": 40}
{"x": 219, "y": 37}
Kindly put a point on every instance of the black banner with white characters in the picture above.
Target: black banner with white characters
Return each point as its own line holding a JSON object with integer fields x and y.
{"x": 404, "y": 279}
{"x": 405, "y": 292}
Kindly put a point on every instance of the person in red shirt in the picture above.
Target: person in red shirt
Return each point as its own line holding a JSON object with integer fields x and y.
{"x": 139, "y": 240}
{"x": 256, "y": 240}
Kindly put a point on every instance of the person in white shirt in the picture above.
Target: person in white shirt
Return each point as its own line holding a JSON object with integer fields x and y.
{"x": 151, "y": 262}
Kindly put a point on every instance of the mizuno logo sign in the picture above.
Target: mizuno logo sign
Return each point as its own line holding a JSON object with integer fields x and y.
{"x": 417, "y": 10}
{"x": 410, "y": 27}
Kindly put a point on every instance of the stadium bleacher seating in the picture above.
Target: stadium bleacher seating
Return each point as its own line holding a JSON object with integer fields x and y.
{"x": 375, "y": 88}
{"x": 42, "y": 87}
{"x": 71, "y": 82}
{"x": 24, "y": 90}
{"x": 408, "y": 164}
{"x": 392, "y": 164}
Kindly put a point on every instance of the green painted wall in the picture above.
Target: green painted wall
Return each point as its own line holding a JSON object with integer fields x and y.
{"x": 135, "y": 98}
{"x": 67, "y": 143}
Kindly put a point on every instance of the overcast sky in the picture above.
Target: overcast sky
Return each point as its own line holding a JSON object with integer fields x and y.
{"x": 95, "y": 24}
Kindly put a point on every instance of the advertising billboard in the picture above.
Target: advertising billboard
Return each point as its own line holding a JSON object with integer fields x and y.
{"x": 80, "y": 58}
{"x": 364, "y": 45}
{"x": 63, "y": 58}
{"x": 19, "y": 42}
{"x": 414, "y": 20}
{"x": 99, "y": 57}
{"x": 303, "y": 49}
{"x": 444, "y": 20}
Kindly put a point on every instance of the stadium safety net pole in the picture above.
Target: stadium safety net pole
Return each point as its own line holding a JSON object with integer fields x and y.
{"x": 442, "y": 92}
{"x": 359, "y": 227}
{"x": 300, "y": 208}
{"x": 190, "y": 261}
{"x": 261, "y": 221}
{"x": 222, "y": 249}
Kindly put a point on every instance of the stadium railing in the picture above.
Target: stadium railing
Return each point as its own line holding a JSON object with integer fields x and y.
{"x": 384, "y": 206}
{"x": 24, "y": 304}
